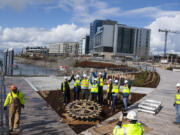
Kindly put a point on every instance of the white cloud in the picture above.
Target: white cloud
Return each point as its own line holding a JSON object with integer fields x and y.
{"x": 20, "y": 37}
{"x": 157, "y": 38}
{"x": 21, "y": 4}
{"x": 150, "y": 12}
{"x": 86, "y": 11}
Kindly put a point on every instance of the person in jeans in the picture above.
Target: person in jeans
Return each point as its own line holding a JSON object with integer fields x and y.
{"x": 115, "y": 92}
{"x": 125, "y": 93}
{"x": 177, "y": 104}
{"x": 77, "y": 87}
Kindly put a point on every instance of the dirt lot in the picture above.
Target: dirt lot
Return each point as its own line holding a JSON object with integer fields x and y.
{"x": 55, "y": 100}
{"x": 102, "y": 65}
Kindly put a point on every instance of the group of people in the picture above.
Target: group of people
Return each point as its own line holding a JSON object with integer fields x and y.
{"x": 96, "y": 93}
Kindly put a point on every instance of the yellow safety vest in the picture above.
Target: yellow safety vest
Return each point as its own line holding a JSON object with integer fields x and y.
{"x": 115, "y": 89}
{"x": 85, "y": 83}
{"x": 178, "y": 98}
{"x": 126, "y": 90}
{"x": 101, "y": 82}
{"x": 77, "y": 83}
{"x": 19, "y": 95}
{"x": 108, "y": 88}
{"x": 129, "y": 129}
{"x": 64, "y": 88}
{"x": 94, "y": 88}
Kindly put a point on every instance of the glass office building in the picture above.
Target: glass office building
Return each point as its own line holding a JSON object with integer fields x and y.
{"x": 126, "y": 40}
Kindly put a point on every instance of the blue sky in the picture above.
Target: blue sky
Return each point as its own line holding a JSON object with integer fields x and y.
{"x": 38, "y": 22}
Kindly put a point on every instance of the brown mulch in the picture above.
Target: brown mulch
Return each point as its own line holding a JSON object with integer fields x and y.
{"x": 92, "y": 64}
{"x": 55, "y": 100}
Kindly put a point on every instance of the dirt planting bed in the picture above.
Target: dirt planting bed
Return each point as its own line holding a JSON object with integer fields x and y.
{"x": 55, "y": 100}
{"x": 146, "y": 79}
{"x": 102, "y": 65}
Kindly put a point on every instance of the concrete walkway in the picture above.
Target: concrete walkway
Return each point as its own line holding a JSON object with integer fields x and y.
{"x": 37, "y": 118}
{"x": 162, "y": 123}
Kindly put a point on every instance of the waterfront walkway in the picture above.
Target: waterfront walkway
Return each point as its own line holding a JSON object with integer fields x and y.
{"x": 37, "y": 118}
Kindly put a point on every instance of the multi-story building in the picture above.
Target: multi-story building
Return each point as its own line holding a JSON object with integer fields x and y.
{"x": 35, "y": 51}
{"x": 122, "y": 40}
{"x": 94, "y": 28}
{"x": 64, "y": 48}
{"x": 84, "y": 46}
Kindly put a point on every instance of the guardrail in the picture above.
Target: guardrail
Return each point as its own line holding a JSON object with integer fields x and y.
{"x": 4, "y": 120}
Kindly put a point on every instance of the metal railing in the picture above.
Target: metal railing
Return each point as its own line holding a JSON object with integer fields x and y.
{"x": 4, "y": 120}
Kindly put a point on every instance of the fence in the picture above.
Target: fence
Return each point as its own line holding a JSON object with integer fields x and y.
{"x": 4, "y": 121}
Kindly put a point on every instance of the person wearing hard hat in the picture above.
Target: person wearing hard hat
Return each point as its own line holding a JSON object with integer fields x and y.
{"x": 133, "y": 128}
{"x": 85, "y": 87}
{"x": 109, "y": 91}
{"x": 15, "y": 99}
{"x": 65, "y": 88}
{"x": 115, "y": 92}
{"x": 94, "y": 89}
{"x": 125, "y": 93}
{"x": 177, "y": 104}
{"x": 100, "y": 79}
{"x": 77, "y": 87}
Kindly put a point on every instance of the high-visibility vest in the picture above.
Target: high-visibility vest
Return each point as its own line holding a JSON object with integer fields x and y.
{"x": 178, "y": 98}
{"x": 11, "y": 95}
{"x": 108, "y": 88}
{"x": 129, "y": 129}
{"x": 64, "y": 88}
{"x": 115, "y": 89}
{"x": 101, "y": 81}
{"x": 94, "y": 88}
{"x": 85, "y": 83}
{"x": 77, "y": 83}
{"x": 126, "y": 89}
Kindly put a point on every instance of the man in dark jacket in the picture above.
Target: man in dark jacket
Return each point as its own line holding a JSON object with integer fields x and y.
{"x": 65, "y": 87}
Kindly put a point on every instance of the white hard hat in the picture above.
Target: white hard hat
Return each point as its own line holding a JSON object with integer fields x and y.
{"x": 126, "y": 81}
{"x": 178, "y": 85}
{"x": 100, "y": 73}
{"x": 95, "y": 79}
{"x": 77, "y": 76}
{"x": 132, "y": 115}
{"x": 84, "y": 75}
{"x": 65, "y": 78}
{"x": 116, "y": 81}
{"x": 110, "y": 79}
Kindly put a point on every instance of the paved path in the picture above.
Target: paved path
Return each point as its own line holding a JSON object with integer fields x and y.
{"x": 37, "y": 118}
{"x": 162, "y": 123}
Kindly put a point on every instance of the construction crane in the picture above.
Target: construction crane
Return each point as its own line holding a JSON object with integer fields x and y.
{"x": 166, "y": 34}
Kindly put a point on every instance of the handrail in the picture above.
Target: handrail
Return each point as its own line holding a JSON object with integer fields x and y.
{"x": 4, "y": 120}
